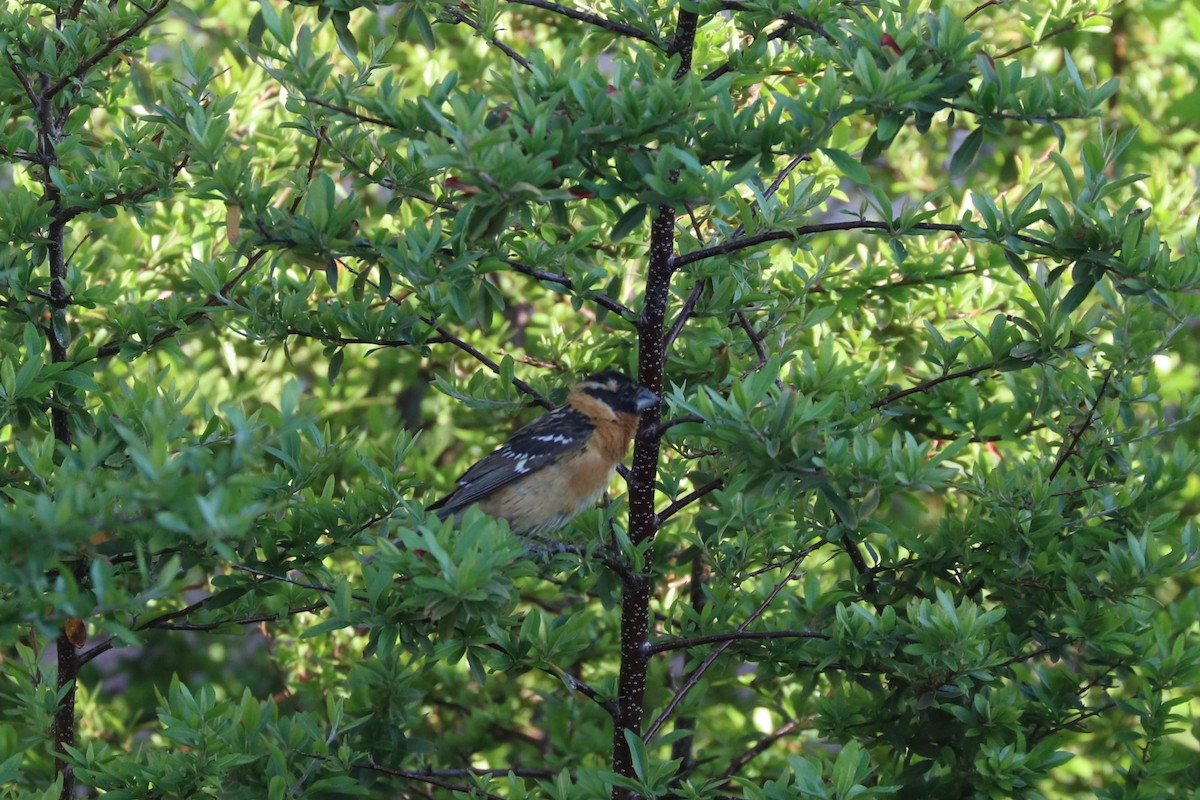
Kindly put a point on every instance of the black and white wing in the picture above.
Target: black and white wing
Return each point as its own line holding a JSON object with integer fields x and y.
{"x": 550, "y": 438}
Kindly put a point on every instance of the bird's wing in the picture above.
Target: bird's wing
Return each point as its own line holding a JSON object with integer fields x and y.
{"x": 538, "y": 445}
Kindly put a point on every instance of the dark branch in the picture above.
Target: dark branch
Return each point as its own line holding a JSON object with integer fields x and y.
{"x": 658, "y": 430}
{"x": 731, "y": 636}
{"x": 499, "y": 45}
{"x": 211, "y": 303}
{"x": 759, "y": 748}
{"x": 925, "y": 386}
{"x": 165, "y": 622}
{"x": 592, "y": 19}
{"x": 602, "y": 300}
{"x": 349, "y": 112}
{"x": 981, "y": 7}
{"x": 521, "y": 385}
{"x": 104, "y": 52}
{"x": 734, "y": 245}
{"x": 688, "y": 499}
{"x": 704, "y": 666}
{"x": 1070, "y": 26}
{"x": 1066, "y": 450}
{"x": 421, "y": 777}
{"x": 348, "y": 340}
{"x": 685, "y": 313}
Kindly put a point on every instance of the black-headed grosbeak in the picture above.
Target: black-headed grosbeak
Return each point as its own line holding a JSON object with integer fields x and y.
{"x": 558, "y": 465}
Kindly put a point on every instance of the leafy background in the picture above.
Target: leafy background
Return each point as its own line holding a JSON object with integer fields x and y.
{"x": 306, "y": 233}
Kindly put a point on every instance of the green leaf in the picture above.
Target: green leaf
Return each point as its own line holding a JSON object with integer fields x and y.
{"x": 629, "y": 221}
{"x": 964, "y": 156}
{"x": 335, "y": 365}
{"x": 847, "y": 165}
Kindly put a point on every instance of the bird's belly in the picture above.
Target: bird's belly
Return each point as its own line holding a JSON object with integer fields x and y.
{"x": 552, "y": 497}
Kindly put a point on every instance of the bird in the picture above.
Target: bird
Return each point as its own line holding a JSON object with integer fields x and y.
{"x": 557, "y": 466}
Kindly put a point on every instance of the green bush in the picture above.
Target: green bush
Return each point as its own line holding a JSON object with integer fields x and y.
{"x": 915, "y": 281}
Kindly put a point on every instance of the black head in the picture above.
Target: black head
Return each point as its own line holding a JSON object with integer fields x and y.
{"x": 618, "y": 392}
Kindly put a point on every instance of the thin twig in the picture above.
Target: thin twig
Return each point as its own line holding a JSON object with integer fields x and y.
{"x": 163, "y": 622}
{"x": 685, "y": 313}
{"x": 734, "y": 245}
{"x": 689, "y": 498}
{"x": 474, "y": 352}
{"x": 760, "y": 747}
{"x": 349, "y": 112}
{"x": 658, "y": 430}
{"x": 1070, "y": 26}
{"x": 602, "y": 300}
{"x": 84, "y": 66}
{"x": 421, "y": 778}
{"x": 981, "y": 7}
{"x": 704, "y": 666}
{"x": 925, "y": 386}
{"x": 731, "y": 636}
{"x": 1066, "y": 451}
{"x": 592, "y": 19}
{"x": 499, "y": 45}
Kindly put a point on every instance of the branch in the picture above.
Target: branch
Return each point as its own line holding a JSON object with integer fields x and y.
{"x": 698, "y": 673}
{"x": 1065, "y": 452}
{"x": 319, "y": 137}
{"x": 121, "y": 198}
{"x": 577, "y": 685}
{"x": 925, "y": 386}
{"x": 521, "y": 385}
{"x": 602, "y": 300}
{"x": 760, "y": 747}
{"x": 790, "y": 23}
{"x": 351, "y": 113}
{"x": 1070, "y": 26}
{"x": 499, "y": 45}
{"x": 500, "y": 772}
{"x": 685, "y": 313}
{"x": 756, "y": 340}
{"x": 22, "y": 155}
{"x": 421, "y": 778}
{"x": 658, "y": 430}
{"x": 609, "y": 25}
{"x": 734, "y": 245}
{"x": 163, "y": 622}
{"x": 689, "y": 498}
{"x": 981, "y": 7}
{"x": 342, "y": 341}
{"x": 23, "y": 79}
{"x": 112, "y": 44}
{"x": 731, "y": 636}
{"x": 211, "y": 303}
{"x": 252, "y": 620}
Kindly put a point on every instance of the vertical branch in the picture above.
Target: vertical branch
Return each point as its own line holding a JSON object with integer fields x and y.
{"x": 643, "y": 521}
{"x": 685, "y": 40}
{"x": 681, "y": 750}
{"x": 49, "y": 133}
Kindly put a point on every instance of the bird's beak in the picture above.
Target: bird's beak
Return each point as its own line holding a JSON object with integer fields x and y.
{"x": 645, "y": 399}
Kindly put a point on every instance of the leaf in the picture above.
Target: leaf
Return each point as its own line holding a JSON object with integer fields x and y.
{"x": 1076, "y": 296}
{"x": 637, "y": 754}
{"x": 964, "y": 156}
{"x": 335, "y": 365}
{"x": 843, "y": 510}
{"x": 847, "y": 165}
{"x": 630, "y": 220}
{"x": 345, "y": 37}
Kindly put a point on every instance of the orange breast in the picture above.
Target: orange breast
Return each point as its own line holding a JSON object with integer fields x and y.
{"x": 551, "y": 497}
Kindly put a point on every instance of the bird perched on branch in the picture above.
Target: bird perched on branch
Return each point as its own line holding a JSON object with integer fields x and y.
{"x": 558, "y": 465}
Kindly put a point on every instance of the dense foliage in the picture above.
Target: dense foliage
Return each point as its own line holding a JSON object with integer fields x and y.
{"x": 915, "y": 281}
